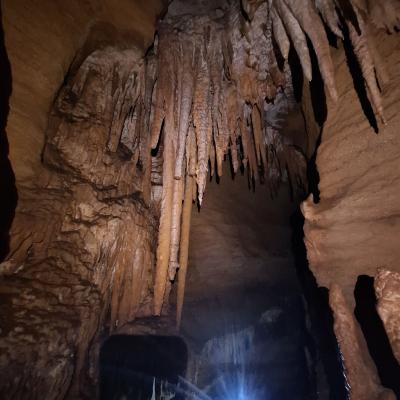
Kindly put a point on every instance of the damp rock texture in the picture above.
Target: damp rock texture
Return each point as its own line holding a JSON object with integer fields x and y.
{"x": 387, "y": 289}
{"x": 85, "y": 235}
{"x": 355, "y": 226}
{"x": 103, "y": 217}
{"x": 42, "y": 40}
{"x": 359, "y": 369}
{"x": 224, "y": 84}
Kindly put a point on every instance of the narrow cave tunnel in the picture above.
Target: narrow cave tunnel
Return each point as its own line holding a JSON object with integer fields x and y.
{"x": 244, "y": 314}
{"x": 200, "y": 200}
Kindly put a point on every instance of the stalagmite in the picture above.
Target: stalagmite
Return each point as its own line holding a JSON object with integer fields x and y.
{"x": 184, "y": 247}
{"x": 360, "y": 370}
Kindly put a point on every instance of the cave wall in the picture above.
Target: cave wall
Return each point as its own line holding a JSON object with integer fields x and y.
{"x": 42, "y": 40}
{"x": 354, "y": 229}
{"x": 83, "y": 238}
{"x": 73, "y": 266}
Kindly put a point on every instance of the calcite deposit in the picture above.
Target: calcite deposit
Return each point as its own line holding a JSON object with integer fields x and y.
{"x": 387, "y": 289}
{"x": 86, "y": 253}
{"x": 360, "y": 371}
{"x": 113, "y": 140}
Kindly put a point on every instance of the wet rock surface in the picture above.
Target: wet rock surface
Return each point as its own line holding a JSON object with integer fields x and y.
{"x": 84, "y": 237}
{"x": 96, "y": 241}
{"x": 387, "y": 289}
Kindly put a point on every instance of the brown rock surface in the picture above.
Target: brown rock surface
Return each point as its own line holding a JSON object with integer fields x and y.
{"x": 42, "y": 40}
{"x": 355, "y": 227}
{"x": 387, "y": 289}
{"x": 361, "y": 374}
{"x": 84, "y": 236}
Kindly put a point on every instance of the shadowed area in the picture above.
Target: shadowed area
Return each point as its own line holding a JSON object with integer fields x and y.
{"x": 8, "y": 190}
{"x": 131, "y": 365}
{"x": 375, "y": 335}
{"x": 244, "y": 313}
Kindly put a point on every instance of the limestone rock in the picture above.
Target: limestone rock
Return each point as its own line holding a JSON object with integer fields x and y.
{"x": 354, "y": 228}
{"x": 84, "y": 236}
{"x": 42, "y": 40}
{"x": 387, "y": 289}
{"x": 361, "y": 374}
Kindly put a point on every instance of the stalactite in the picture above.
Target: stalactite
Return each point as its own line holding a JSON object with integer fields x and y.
{"x": 164, "y": 236}
{"x": 167, "y": 83}
{"x": 149, "y": 77}
{"x": 202, "y": 123}
{"x": 280, "y": 34}
{"x": 382, "y": 74}
{"x": 329, "y": 15}
{"x": 160, "y": 91}
{"x": 308, "y": 19}
{"x": 216, "y": 88}
{"x": 175, "y": 227}
{"x": 187, "y": 88}
{"x": 384, "y": 14}
{"x": 361, "y": 50}
{"x": 297, "y": 35}
{"x": 184, "y": 246}
{"x": 272, "y": 65}
{"x": 257, "y": 131}
{"x": 191, "y": 152}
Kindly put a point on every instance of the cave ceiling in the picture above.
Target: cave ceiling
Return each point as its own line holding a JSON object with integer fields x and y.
{"x": 222, "y": 85}
{"x": 217, "y": 83}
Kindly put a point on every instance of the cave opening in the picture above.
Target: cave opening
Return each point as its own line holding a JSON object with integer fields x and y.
{"x": 246, "y": 315}
{"x": 139, "y": 367}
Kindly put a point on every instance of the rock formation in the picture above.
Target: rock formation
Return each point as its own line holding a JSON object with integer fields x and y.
{"x": 361, "y": 374}
{"x": 218, "y": 71}
{"x": 359, "y": 182}
{"x": 102, "y": 224}
{"x": 76, "y": 262}
{"x": 387, "y": 288}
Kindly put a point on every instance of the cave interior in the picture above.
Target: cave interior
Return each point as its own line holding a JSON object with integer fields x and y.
{"x": 200, "y": 200}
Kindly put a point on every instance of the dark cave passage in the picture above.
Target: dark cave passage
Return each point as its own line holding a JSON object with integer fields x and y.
{"x": 131, "y": 365}
{"x": 246, "y": 316}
